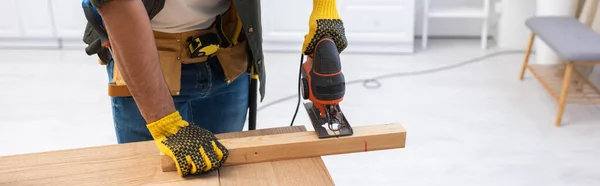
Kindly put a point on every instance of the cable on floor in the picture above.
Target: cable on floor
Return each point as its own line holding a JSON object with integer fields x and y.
{"x": 374, "y": 82}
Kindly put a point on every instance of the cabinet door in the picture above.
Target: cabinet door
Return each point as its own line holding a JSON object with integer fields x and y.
{"x": 69, "y": 19}
{"x": 36, "y": 20}
{"x": 9, "y": 26}
{"x": 371, "y": 25}
{"x": 285, "y": 23}
{"x": 378, "y": 20}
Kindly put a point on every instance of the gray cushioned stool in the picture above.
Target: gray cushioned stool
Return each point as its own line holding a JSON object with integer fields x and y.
{"x": 576, "y": 44}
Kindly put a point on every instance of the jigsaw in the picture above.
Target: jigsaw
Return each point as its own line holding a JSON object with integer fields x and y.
{"x": 323, "y": 84}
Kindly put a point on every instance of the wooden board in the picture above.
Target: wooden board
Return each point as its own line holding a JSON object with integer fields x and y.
{"x": 306, "y": 144}
{"x": 139, "y": 164}
{"x": 305, "y": 171}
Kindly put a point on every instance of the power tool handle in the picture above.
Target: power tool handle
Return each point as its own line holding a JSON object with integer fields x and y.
{"x": 324, "y": 74}
{"x": 326, "y": 57}
{"x": 95, "y": 20}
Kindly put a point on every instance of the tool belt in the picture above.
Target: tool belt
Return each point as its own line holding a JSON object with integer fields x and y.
{"x": 223, "y": 40}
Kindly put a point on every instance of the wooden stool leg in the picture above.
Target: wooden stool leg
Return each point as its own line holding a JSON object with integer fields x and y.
{"x": 563, "y": 92}
{"x": 526, "y": 60}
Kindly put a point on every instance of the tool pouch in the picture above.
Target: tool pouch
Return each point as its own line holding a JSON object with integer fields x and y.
{"x": 233, "y": 55}
{"x": 173, "y": 52}
{"x": 171, "y": 70}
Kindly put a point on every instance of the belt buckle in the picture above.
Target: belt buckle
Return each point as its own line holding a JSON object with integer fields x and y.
{"x": 203, "y": 45}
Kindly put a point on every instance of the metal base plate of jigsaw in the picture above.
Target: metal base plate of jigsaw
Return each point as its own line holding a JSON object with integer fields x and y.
{"x": 322, "y": 127}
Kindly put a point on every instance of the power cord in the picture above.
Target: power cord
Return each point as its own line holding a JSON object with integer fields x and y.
{"x": 373, "y": 83}
{"x": 299, "y": 89}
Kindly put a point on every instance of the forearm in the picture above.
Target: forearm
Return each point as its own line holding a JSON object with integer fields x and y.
{"x": 136, "y": 56}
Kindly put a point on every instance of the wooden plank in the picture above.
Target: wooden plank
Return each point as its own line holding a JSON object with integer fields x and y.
{"x": 122, "y": 164}
{"x": 306, "y": 171}
{"x": 306, "y": 144}
{"x": 252, "y": 174}
{"x": 125, "y": 164}
{"x": 311, "y": 169}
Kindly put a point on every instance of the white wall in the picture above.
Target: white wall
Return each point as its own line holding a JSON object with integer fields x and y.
{"x": 512, "y": 32}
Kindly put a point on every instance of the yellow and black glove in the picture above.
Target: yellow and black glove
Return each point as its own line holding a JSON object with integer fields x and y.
{"x": 194, "y": 150}
{"x": 324, "y": 20}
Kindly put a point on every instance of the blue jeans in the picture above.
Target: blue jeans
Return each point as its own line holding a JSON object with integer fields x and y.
{"x": 205, "y": 99}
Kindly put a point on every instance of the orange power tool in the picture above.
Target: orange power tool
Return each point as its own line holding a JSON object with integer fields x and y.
{"x": 324, "y": 85}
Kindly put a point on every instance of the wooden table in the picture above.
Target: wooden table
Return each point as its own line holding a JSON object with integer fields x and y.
{"x": 139, "y": 164}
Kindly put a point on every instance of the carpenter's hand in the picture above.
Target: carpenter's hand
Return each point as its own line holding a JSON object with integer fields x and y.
{"x": 324, "y": 20}
{"x": 194, "y": 150}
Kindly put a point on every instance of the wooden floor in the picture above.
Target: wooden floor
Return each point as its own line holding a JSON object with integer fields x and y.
{"x": 139, "y": 164}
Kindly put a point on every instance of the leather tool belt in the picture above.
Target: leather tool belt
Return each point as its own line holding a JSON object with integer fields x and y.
{"x": 173, "y": 51}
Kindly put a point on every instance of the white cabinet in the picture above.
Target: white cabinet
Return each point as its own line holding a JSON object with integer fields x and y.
{"x": 36, "y": 20}
{"x": 371, "y": 25}
{"x": 41, "y": 23}
{"x": 69, "y": 19}
{"x": 10, "y": 24}
{"x": 26, "y": 23}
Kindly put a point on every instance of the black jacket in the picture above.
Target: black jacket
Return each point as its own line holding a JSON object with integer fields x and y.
{"x": 248, "y": 11}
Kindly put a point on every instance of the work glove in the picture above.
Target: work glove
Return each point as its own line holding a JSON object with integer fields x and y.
{"x": 324, "y": 20}
{"x": 194, "y": 150}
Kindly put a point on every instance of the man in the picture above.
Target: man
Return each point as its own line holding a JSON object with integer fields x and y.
{"x": 166, "y": 89}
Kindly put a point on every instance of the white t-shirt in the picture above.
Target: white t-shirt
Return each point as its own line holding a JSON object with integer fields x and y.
{"x": 187, "y": 15}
